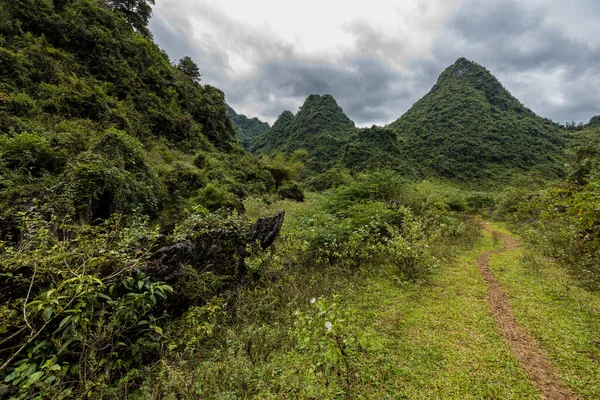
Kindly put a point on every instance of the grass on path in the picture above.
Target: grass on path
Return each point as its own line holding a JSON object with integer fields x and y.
{"x": 562, "y": 317}
{"x": 440, "y": 340}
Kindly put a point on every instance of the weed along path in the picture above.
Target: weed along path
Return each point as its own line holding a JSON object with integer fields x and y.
{"x": 524, "y": 347}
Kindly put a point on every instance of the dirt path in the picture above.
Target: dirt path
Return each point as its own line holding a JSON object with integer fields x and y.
{"x": 525, "y": 348}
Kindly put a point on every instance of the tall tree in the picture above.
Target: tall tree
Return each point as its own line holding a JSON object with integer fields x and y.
{"x": 190, "y": 68}
{"x": 137, "y": 13}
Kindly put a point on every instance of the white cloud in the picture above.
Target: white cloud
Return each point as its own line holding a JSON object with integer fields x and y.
{"x": 318, "y": 30}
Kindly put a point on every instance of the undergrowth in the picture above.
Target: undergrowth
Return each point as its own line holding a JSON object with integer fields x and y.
{"x": 294, "y": 331}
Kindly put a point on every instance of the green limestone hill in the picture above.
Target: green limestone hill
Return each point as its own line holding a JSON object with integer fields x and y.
{"x": 469, "y": 128}
{"x": 247, "y": 129}
{"x": 320, "y": 127}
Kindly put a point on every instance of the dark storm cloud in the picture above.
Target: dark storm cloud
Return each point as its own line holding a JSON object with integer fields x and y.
{"x": 515, "y": 36}
{"x": 548, "y": 68}
{"x": 366, "y": 88}
{"x": 545, "y": 53}
{"x": 369, "y": 41}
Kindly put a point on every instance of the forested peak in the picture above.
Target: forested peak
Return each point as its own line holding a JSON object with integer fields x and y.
{"x": 322, "y": 113}
{"x": 285, "y": 116}
{"x": 465, "y": 75}
{"x": 469, "y": 128}
{"x": 464, "y": 68}
{"x": 318, "y": 99}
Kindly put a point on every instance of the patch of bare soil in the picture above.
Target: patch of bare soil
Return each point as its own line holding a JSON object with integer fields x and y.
{"x": 525, "y": 347}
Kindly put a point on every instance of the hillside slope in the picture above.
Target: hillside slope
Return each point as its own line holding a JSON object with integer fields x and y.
{"x": 469, "y": 128}
{"x": 247, "y": 129}
{"x": 95, "y": 120}
{"x": 320, "y": 127}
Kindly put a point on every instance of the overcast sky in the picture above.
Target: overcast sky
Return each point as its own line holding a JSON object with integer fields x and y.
{"x": 379, "y": 57}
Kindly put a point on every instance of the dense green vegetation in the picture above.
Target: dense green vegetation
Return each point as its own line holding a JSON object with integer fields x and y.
{"x": 470, "y": 129}
{"x": 563, "y": 220}
{"x": 273, "y": 339}
{"x": 145, "y": 254}
{"x": 247, "y": 129}
{"x": 320, "y": 127}
{"x": 106, "y": 151}
{"x": 376, "y": 148}
{"x": 334, "y": 147}
{"x": 594, "y": 121}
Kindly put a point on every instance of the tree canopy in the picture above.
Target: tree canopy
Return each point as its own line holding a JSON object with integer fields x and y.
{"x": 189, "y": 68}
{"x": 137, "y": 13}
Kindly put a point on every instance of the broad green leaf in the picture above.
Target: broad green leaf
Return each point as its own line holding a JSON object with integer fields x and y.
{"x": 36, "y": 376}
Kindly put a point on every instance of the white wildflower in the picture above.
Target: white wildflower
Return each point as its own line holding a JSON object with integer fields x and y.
{"x": 328, "y": 326}
{"x": 313, "y": 300}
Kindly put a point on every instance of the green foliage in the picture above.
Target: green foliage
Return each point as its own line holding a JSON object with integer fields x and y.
{"x": 332, "y": 178}
{"x": 248, "y": 129}
{"x": 137, "y": 13}
{"x": 125, "y": 79}
{"x": 322, "y": 333}
{"x": 95, "y": 120}
{"x": 30, "y": 154}
{"x": 375, "y": 148}
{"x": 594, "y": 121}
{"x": 267, "y": 339}
{"x": 213, "y": 198}
{"x": 78, "y": 313}
{"x": 284, "y": 169}
{"x": 563, "y": 221}
{"x": 468, "y": 128}
{"x": 292, "y": 190}
{"x": 189, "y": 68}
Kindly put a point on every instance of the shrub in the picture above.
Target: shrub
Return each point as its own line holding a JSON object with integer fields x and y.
{"x": 76, "y": 310}
{"x": 214, "y": 198}
{"x": 292, "y": 191}
{"x": 31, "y": 154}
{"x": 21, "y": 105}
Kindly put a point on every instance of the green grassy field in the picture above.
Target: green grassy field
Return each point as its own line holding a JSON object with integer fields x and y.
{"x": 375, "y": 336}
{"x": 436, "y": 339}
{"x": 439, "y": 340}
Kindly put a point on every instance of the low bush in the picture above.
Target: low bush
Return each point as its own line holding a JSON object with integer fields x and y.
{"x": 77, "y": 316}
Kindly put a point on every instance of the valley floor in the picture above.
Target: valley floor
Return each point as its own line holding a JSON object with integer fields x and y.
{"x": 443, "y": 340}
{"x": 535, "y": 334}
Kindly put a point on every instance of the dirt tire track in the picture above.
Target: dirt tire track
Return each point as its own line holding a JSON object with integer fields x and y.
{"x": 525, "y": 348}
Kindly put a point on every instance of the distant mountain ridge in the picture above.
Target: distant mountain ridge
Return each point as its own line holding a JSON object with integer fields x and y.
{"x": 247, "y": 129}
{"x": 468, "y": 129}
